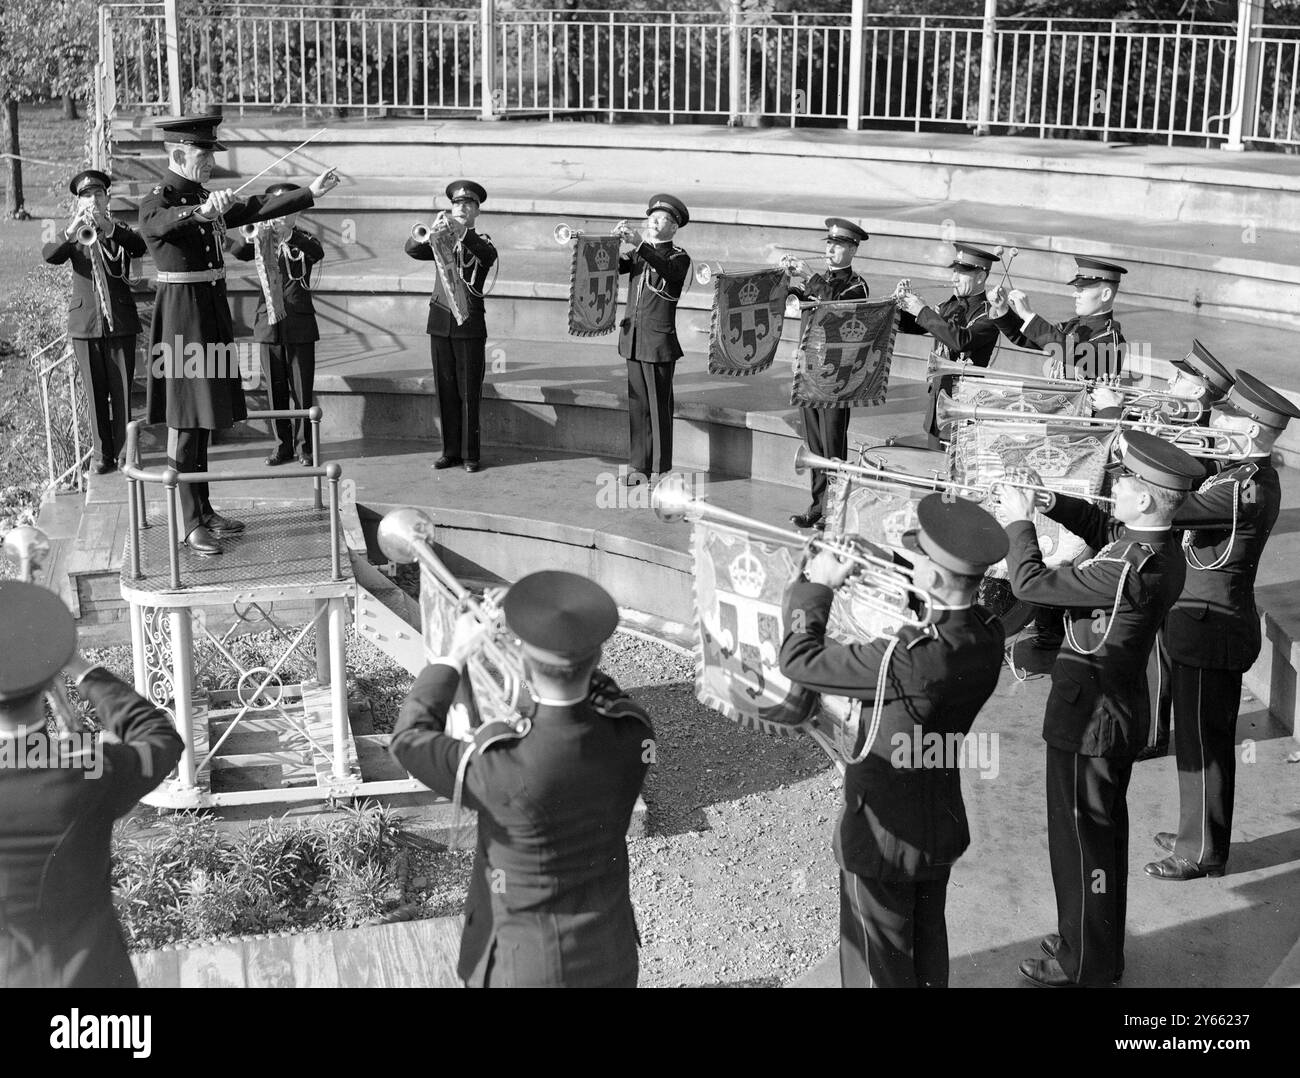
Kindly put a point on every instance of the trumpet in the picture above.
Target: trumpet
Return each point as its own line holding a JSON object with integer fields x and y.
{"x": 420, "y": 232}
{"x": 879, "y": 475}
{"x": 794, "y": 266}
{"x": 248, "y": 231}
{"x": 86, "y": 233}
{"x": 893, "y": 590}
{"x": 562, "y": 233}
{"x": 29, "y": 547}
{"x": 1172, "y": 408}
{"x": 497, "y": 669}
{"x": 1204, "y": 442}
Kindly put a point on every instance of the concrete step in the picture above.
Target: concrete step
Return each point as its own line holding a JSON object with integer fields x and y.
{"x": 1234, "y": 270}
{"x": 1171, "y": 184}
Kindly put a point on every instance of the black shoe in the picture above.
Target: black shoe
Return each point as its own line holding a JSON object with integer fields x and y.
{"x": 472, "y": 466}
{"x": 105, "y": 466}
{"x": 305, "y": 460}
{"x": 280, "y": 456}
{"x": 1046, "y": 973}
{"x": 447, "y": 462}
{"x": 201, "y": 541}
{"x": 1154, "y": 752}
{"x": 219, "y": 525}
{"x": 1180, "y": 869}
{"x": 1051, "y": 943}
{"x": 1165, "y": 840}
{"x": 809, "y": 519}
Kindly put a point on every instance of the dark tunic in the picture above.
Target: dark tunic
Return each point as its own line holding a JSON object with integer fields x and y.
{"x": 656, "y": 273}
{"x": 548, "y": 901}
{"x": 57, "y": 927}
{"x": 298, "y": 325}
{"x": 196, "y": 313}
{"x": 85, "y": 318}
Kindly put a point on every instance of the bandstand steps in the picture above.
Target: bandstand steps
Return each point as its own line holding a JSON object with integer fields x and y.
{"x": 1181, "y": 184}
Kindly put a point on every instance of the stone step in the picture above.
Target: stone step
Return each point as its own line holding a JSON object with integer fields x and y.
{"x": 1173, "y": 184}
{"x": 1226, "y": 270}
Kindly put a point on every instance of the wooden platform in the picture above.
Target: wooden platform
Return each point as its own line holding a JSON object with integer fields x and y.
{"x": 408, "y": 954}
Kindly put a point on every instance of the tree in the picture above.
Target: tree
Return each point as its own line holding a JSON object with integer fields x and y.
{"x": 31, "y": 31}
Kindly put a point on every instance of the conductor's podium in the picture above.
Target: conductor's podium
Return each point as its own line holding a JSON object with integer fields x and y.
{"x": 266, "y": 740}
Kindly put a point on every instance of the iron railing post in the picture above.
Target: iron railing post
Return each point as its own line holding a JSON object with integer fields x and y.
{"x": 171, "y": 23}
{"x": 988, "y": 50}
{"x": 733, "y": 65}
{"x": 857, "y": 56}
{"x": 1245, "y": 75}
{"x": 487, "y": 59}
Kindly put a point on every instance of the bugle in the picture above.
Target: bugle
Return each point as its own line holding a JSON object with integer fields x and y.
{"x": 1172, "y": 408}
{"x": 420, "y": 232}
{"x": 879, "y": 475}
{"x": 87, "y": 234}
{"x": 1207, "y": 443}
{"x": 893, "y": 584}
{"x": 562, "y": 233}
{"x": 248, "y": 231}
{"x": 406, "y": 535}
{"x": 29, "y": 547}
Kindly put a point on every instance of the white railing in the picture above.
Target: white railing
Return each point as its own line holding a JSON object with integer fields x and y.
{"x": 1105, "y": 78}
{"x": 65, "y": 413}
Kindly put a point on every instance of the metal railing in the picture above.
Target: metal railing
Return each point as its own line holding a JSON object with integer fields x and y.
{"x": 137, "y": 476}
{"x": 65, "y": 413}
{"x": 1097, "y": 77}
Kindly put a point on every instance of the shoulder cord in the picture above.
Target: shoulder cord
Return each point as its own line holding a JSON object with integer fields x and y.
{"x": 1190, "y": 555}
{"x": 645, "y": 279}
{"x": 120, "y": 258}
{"x": 877, "y": 709}
{"x": 293, "y": 255}
{"x": 461, "y": 264}
{"x": 1110, "y": 623}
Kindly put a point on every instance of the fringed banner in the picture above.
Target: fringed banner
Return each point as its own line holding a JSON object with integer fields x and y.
{"x": 1016, "y": 397}
{"x": 1070, "y": 460}
{"x": 739, "y": 586}
{"x": 748, "y": 316}
{"x": 444, "y": 243}
{"x": 593, "y": 285}
{"x": 845, "y": 350}
{"x": 438, "y": 614}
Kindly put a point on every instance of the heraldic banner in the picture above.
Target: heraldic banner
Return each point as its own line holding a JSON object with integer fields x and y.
{"x": 1070, "y": 460}
{"x": 593, "y": 285}
{"x": 844, "y": 354}
{"x": 739, "y": 584}
{"x": 1018, "y": 397}
{"x": 748, "y": 316}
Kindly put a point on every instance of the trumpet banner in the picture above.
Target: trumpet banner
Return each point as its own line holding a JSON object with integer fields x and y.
{"x": 593, "y": 285}
{"x": 739, "y": 586}
{"x": 438, "y": 614}
{"x": 845, "y": 350}
{"x": 1070, "y": 460}
{"x": 748, "y": 316}
{"x": 1017, "y": 398}
{"x": 444, "y": 243}
{"x": 858, "y": 611}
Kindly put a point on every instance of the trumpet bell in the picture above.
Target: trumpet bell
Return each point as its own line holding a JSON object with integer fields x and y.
{"x": 27, "y": 546}
{"x": 704, "y": 274}
{"x": 671, "y": 498}
{"x": 421, "y": 232}
{"x": 562, "y": 233}
{"x": 402, "y": 531}
{"x": 86, "y": 235}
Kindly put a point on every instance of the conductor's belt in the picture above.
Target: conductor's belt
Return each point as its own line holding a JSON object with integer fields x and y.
{"x": 207, "y": 276}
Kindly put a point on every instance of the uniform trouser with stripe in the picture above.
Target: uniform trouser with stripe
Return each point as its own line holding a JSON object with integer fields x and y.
{"x": 290, "y": 371}
{"x": 826, "y": 430}
{"x": 1160, "y": 686}
{"x": 1206, "y": 703}
{"x": 1087, "y": 838}
{"x": 103, "y": 363}
{"x": 187, "y": 451}
{"x": 650, "y": 416}
{"x": 893, "y": 933}
{"x": 459, "y": 364}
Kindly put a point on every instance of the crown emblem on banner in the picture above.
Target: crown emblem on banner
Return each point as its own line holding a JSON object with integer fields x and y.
{"x": 747, "y": 575}
{"x": 1048, "y": 459}
{"x": 602, "y": 258}
{"x": 853, "y": 331}
{"x": 749, "y": 293}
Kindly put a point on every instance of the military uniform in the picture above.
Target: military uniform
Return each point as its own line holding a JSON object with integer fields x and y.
{"x": 1084, "y": 347}
{"x": 1212, "y": 636}
{"x": 458, "y": 351}
{"x": 826, "y": 430}
{"x": 549, "y": 902}
{"x": 289, "y": 344}
{"x": 961, "y": 327}
{"x": 191, "y": 309}
{"x": 1098, "y": 710}
{"x": 904, "y": 822}
{"x": 647, "y": 340}
{"x": 103, "y": 342}
{"x": 57, "y": 925}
